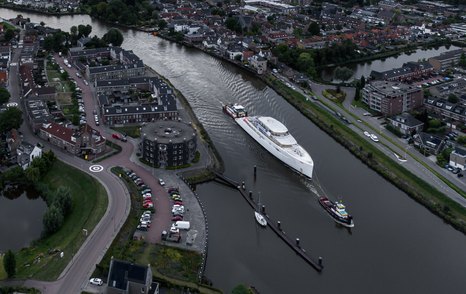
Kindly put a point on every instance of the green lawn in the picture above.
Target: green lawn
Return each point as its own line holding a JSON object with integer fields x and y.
{"x": 89, "y": 205}
{"x": 132, "y": 131}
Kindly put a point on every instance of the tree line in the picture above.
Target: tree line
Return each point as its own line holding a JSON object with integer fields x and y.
{"x": 307, "y": 60}
{"x": 126, "y": 12}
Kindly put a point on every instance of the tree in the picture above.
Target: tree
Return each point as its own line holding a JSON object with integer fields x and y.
{"x": 162, "y": 24}
{"x": 4, "y": 95}
{"x": 362, "y": 82}
{"x": 357, "y": 94}
{"x": 12, "y": 118}
{"x": 74, "y": 30}
{"x": 9, "y": 264}
{"x": 62, "y": 199}
{"x": 9, "y": 34}
{"x": 452, "y": 98}
{"x": 240, "y": 289}
{"x": 87, "y": 30}
{"x": 114, "y": 37}
{"x": 462, "y": 61}
{"x": 53, "y": 220}
{"x": 32, "y": 174}
{"x": 314, "y": 29}
{"x": 343, "y": 73}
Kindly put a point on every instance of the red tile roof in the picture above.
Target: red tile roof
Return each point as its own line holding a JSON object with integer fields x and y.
{"x": 59, "y": 131}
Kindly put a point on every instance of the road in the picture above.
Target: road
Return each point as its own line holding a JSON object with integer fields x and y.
{"x": 360, "y": 123}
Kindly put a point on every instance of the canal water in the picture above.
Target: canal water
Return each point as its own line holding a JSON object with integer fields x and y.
{"x": 396, "y": 246}
{"x": 21, "y": 215}
{"x": 365, "y": 68}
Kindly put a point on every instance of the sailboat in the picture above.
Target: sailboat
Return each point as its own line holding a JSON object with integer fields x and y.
{"x": 260, "y": 219}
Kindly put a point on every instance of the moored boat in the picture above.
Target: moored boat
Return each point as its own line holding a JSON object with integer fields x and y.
{"x": 260, "y": 219}
{"x": 274, "y": 137}
{"x": 235, "y": 110}
{"x": 337, "y": 211}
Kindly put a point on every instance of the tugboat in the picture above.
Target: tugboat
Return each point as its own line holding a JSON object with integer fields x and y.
{"x": 337, "y": 211}
{"x": 235, "y": 110}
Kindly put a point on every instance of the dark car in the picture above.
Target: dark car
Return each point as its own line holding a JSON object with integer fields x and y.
{"x": 460, "y": 175}
{"x": 173, "y": 190}
{"x": 177, "y": 218}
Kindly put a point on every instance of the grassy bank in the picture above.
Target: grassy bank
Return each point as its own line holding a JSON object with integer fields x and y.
{"x": 419, "y": 190}
{"x": 132, "y": 131}
{"x": 89, "y": 205}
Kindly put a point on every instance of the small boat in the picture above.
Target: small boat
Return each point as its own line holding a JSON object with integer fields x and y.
{"x": 235, "y": 110}
{"x": 337, "y": 211}
{"x": 260, "y": 219}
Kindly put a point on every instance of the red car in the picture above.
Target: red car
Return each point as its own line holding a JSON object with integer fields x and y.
{"x": 178, "y": 203}
{"x": 177, "y": 218}
{"x": 148, "y": 205}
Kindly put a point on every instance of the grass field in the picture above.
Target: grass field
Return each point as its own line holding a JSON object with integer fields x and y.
{"x": 89, "y": 205}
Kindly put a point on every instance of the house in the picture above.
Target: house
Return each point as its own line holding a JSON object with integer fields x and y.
{"x": 458, "y": 158}
{"x": 406, "y": 123}
{"x": 60, "y": 136}
{"x": 259, "y": 63}
{"x": 128, "y": 278}
{"x": 428, "y": 144}
{"x": 26, "y": 153}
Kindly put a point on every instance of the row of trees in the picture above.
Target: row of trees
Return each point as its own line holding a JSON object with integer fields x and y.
{"x": 60, "y": 41}
{"x": 307, "y": 60}
{"x": 127, "y": 12}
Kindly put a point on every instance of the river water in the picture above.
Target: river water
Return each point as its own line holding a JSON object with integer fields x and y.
{"x": 397, "y": 246}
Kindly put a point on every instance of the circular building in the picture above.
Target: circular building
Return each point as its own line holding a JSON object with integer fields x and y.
{"x": 168, "y": 143}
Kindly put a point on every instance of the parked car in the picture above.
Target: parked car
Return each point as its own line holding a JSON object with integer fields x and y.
{"x": 142, "y": 227}
{"x": 161, "y": 182}
{"x": 146, "y": 191}
{"x": 148, "y": 205}
{"x": 96, "y": 281}
{"x": 177, "y": 218}
{"x": 172, "y": 190}
{"x": 178, "y": 203}
{"x": 147, "y": 224}
{"x": 119, "y": 137}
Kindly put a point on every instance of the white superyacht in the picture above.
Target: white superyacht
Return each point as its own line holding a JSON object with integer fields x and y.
{"x": 274, "y": 137}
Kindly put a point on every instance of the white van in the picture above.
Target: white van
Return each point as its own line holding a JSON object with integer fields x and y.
{"x": 182, "y": 225}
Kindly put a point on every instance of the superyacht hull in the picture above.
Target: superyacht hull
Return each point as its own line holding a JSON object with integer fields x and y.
{"x": 302, "y": 167}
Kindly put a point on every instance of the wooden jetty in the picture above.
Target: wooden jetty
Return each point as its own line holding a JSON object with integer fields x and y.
{"x": 274, "y": 225}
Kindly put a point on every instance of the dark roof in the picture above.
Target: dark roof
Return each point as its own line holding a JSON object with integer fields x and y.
{"x": 121, "y": 272}
{"x": 64, "y": 133}
{"x": 408, "y": 120}
{"x": 460, "y": 151}
{"x": 99, "y": 69}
